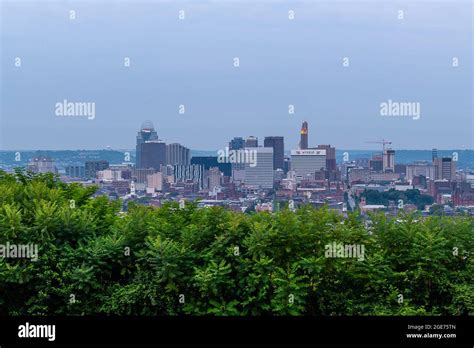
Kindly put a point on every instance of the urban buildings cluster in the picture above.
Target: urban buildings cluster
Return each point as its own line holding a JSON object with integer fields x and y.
{"x": 248, "y": 175}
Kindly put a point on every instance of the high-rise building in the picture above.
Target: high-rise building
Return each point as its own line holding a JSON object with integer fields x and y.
{"x": 400, "y": 168}
{"x": 42, "y": 164}
{"x": 305, "y": 163}
{"x": 237, "y": 143}
{"x": 330, "y": 156}
{"x": 389, "y": 160}
{"x": 147, "y": 133}
{"x": 109, "y": 175}
{"x": 420, "y": 168}
{"x": 376, "y": 163}
{"x": 124, "y": 168}
{"x": 434, "y": 154}
{"x": 192, "y": 172}
{"x": 211, "y": 161}
{"x": 177, "y": 154}
{"x": 214, "y": 178}
{"x": 304, "y": 136}
{"x": 155, "y": 181}
{"x": 260, "y": 173}
{"x": 277, "y": 143}
{"x": 445, "y": 168}
{"x": 152, "y": 154}
{"x": 286, "y": 164}
{"x": 75, "y": 171}
{"x": 251, "y": 141}
{"x": 92, "y": 167}
{"x": 140, "y": 175}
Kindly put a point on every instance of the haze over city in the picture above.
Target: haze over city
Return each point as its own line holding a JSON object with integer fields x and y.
{"x": 282, "y": 62}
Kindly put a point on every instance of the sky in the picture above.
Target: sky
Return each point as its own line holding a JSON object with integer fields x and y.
{"x": 190, "y": 62}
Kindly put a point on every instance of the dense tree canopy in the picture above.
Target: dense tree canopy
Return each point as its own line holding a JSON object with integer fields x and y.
{"x": 93, "y": 259}
{"x": 408, "y": 197}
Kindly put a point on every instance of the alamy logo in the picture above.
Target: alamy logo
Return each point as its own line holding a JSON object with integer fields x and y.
{"x": 37, "y": 331}
{"x": 21, "y": 251}
{"x": 76, "y": 109}
{"x": 345, "y": 251}
{"x": 404, "y": 109}
{"x": 237, "y": 156}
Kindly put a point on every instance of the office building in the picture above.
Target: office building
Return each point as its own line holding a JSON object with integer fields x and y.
{"x": 154, "y": 181}
{"x": 434, "y": 154}
{"x": 286, "y": 164}
{"x": 251, "y": 141}
{"x": 400, "y": 168}
{"x": 191, "y": 172}
{"x": 389, "y": 160}
{"x": 147, "y": 133}
{"x": 445, "y": 168}
{"x": 420, "y": 168}
{"x": 92, "y": 167}
{"x": 376, "y": 163}
{"x": 277, "y": 143}
{"x": 214, "y": 178}
{"x": 75, "y": 171}
{"x": 152, "y": 154}
{"x": 237, "y": 143}
{"x": 42, "y": 164}
{"x": 305, "y": 163}
{"x": 260, "y": 174}
{"x": 177, "y": 154}
{"x": 209, "y": 162}
{"x": 140, "y": 175}
{"x": 109, "y": 175}
{"x": 330, "y": 156}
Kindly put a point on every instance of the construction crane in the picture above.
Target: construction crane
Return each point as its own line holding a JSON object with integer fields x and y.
{"x": 383, "y": 142}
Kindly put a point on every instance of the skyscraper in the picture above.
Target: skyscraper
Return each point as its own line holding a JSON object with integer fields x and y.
{"x": 420, "y": 168}
{"x": 376, "y": 163}
{"x": 211, "y": 161}
{"x": 237, "y": 143}
{"x": 193, "y": 172}
{"x": 214, "y": 178}
{"x": 42, "y": 164}
{"x": 330, "y": 156}
{"x": 177, "y": 154}
{"x": 434, "y": 154}
{"x": 152, "y": 154}
{"x": 277, "y": 143}
{"x": 260, "y": 174}
{"x": 75, "y": 171}
{"x": 92, "y": 167}
{"x": 251, "y": 141}
{"x": 389, "y": 160}
{"x": 305, "y": 163}
{"x": 147, "y": 133}
{"x": 304, "y": 136}
{"x": 445, "y": 168}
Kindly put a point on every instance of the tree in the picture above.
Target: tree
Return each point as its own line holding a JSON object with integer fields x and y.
{"x": 94, "y": 259}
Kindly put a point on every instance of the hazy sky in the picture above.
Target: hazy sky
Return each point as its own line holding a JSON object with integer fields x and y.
{"x": 191, "y": 62}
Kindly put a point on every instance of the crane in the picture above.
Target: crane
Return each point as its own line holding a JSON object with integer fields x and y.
{"x": 383, "y": 142}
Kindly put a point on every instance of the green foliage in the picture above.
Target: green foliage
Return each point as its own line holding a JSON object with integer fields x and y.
{"x": 408, "y": 197}
{"x": 170, "y": 261}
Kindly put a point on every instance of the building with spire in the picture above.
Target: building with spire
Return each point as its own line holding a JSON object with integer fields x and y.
{"x": 304, "y": 136}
